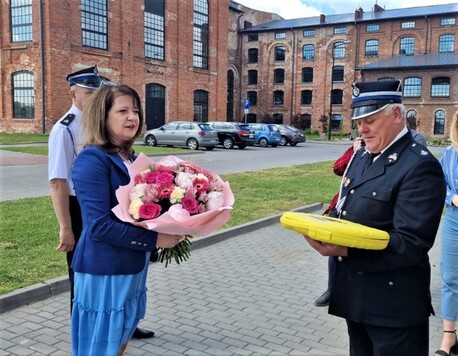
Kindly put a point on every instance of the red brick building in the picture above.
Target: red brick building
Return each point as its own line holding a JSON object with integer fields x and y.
{"x": 200, "y": 59}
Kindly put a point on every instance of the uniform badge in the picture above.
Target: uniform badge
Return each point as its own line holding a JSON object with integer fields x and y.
{"x": 356, "y": 91}
{"x": 424, "y": 153}
{"x": 393, "y": 157}
{"x": 347, "y": 181}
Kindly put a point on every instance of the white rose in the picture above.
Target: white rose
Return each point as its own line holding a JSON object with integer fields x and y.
{"x": 134, "y": 208}
{"x": 215, "y": 200}
{"x": 184, "y": 180}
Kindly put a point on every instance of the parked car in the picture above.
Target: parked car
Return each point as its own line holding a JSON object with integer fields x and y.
{"x": 183, "y": 134}
{"x": 291, "y": 135}
{"x": 266, "y": 134}
{"x": 233, "y": 134}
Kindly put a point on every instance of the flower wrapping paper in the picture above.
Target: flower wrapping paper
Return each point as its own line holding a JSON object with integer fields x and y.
{"x": 175, "y": 220}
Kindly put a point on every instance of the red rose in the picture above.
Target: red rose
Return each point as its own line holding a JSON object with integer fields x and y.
{"x": 150, "y": 177}
{"x": 149, "y": 211}
{"x": 190, "y": 204}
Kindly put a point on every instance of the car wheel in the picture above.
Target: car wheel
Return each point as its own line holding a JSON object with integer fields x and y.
{"x": 241, "y": 146}
{"x": 210, "y": 148}
{"x": 293, "y": 143}
{"x": 283, "y": 141}
{"x": 274, "y": 144}
{"x": 192, "y": 144}
{"x": 151, "y": 140}
{"x": 263, "y": 142}
{"x": 228, "y": 143}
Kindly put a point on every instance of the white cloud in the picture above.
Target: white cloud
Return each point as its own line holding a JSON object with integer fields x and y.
{"x": 289, "y": 9}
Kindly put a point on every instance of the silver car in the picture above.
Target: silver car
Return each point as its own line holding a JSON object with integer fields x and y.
{"x": 183, "y": 134}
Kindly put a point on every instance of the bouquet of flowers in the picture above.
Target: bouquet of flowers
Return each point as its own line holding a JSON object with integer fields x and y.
{"x": 175, "y": 197}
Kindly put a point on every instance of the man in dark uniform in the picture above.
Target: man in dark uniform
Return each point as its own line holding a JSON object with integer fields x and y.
{"x": 65, "y": 142}
{"x": 395, "y": 185}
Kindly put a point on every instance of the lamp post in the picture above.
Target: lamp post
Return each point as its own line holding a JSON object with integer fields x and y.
{"x": 334, "y": 46}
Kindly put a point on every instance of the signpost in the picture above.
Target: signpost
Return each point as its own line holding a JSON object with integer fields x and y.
{"x": 247, "y": 108}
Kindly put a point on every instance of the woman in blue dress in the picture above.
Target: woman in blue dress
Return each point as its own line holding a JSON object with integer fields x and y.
{"x": 449, "y": 246}
{"x": 111, "y": 258}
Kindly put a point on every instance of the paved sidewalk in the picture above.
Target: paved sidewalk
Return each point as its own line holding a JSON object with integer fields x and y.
{"x": 250, "y": 294}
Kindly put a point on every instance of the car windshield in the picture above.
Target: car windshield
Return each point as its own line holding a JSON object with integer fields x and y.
{"x": 273, "y": 128}
{"x": 244, "y": 127}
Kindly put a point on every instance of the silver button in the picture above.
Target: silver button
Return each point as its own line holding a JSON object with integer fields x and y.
{"x": 414, "y": 144}
{"x": 390, "y": 283}
{"x": 133, "y": 243}
{"x": 352, "y": 191}
{"x": 340, "y": 259}
{"x": 374, "y": 194}
{"x": 344, "y": 213}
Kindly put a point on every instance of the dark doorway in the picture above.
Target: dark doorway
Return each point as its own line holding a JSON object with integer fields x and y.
{"x": 154, "y": 106}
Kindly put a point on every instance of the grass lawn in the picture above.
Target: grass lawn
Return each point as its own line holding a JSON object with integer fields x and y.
{"x": 29, "y": 230}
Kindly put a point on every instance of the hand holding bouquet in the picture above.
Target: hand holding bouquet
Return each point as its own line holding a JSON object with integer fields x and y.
{"x": 175, "y": 197}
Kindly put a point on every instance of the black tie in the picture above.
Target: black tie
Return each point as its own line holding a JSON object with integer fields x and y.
{"x": 369, "y": 160}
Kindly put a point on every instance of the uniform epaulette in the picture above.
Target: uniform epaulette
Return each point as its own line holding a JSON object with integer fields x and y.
{"x": 67, "y": 120}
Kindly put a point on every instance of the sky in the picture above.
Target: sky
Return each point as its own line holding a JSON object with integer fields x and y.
{"x": 290, "y": 9}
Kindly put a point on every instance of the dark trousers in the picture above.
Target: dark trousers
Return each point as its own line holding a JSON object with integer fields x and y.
{"x": 370, "y": 340}
{"x": 77, "y": 227}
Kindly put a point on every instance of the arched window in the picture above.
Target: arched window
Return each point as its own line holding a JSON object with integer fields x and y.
{"x": 200, "y": 35}
{"x": 338, "y": 74}
{"x": 307, "y": 75}
{"x": 278, "y": 97}
{"x": 252, "y": 77}
{"x": 154, "y": 29}
{"x": 230, "y": 96}
{"x": 336, "y": 96}
{"x": 154, "y": 105}
{"x": 308, "y": 52}
{"x": 447, "y": 43}
{"x": 407, "y": 46}
{"x": 252, "y": 55}
{"x": 306, "y": 97}
{"x": 371, "y": 49}
{"x": 279, "y": 76}
{"x": 280, "y": 53}
{"x": 23, "y": 95}
{"x": 201, "y": 105}
{"x": 412, "y": 87}
{"x": 338, "y": 50}
{"x": 252, "y": 97}
{"x": 439, "y": 122}
{"x": 306, "y": 121}
{"x": 278, "y": 118}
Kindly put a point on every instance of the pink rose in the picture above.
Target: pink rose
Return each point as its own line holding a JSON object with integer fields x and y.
{"x": 150, "y": 177}
{"x": 164, "y": 177}
{"x": 190, "y": 204}
{"x": 150, "y": 211}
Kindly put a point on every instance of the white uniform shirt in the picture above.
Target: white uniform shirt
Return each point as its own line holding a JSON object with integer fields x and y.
{"x": 65, "y": 142}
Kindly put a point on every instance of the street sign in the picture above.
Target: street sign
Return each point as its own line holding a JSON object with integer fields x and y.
{"x": 247, "y": 104}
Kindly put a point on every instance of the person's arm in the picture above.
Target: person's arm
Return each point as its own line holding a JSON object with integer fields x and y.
{"x": 60, "y": 200}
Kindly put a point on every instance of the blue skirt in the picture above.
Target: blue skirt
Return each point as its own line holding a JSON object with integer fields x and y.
{"x": 106, "y": 311}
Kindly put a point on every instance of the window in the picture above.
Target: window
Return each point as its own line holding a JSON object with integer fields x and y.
{"x": 94, "y": 23}
{"x": 371, "y": 48}
{"x": 279, "y": 76}
{"x": 252, "y": 77}
{"x": 384, "y": 78}
{"x": 338, "y": 74}
{"x": 306, "y": 97}
{"x": 23, "y": 95}
{"x": 308, "y": 52}
{"x": 412, "y": 87}
{"x": 447, "y": 43}
{"x": 307, "y": 75}
{"x": 309, "y": 33}
{"x": 154, "y": 29}
{"x": 280, "y": 53}
{"x": 251, "y": 118}
{"x": 407, "y": 46}
{"x": 280, "y": 35}
{"x": 340, "y": 30}
{"x": 306, "y": 121}
{"x": 252, "y": 55}
{"x": 439, "y": 122}
{"x": 252, "y": 97}
{"x": 336, "y": 96}
{"x": 448, "y": 21}
{"x": 412, "y": 115}
{"x": 440, "y": 87}
{"x": 336, "y": 120}
{"x": 253, "y": 37}
{"x": 407, "y": 25}
{"x": 21, "y": 20}
{"x": 278, "y": 118}
{"x": 201, "y": 106}
{"x": 278, "y": 97}
{"x": 373, "y": 28}
{"x": 338, "y": 50}
{"x": 200, "y": 36}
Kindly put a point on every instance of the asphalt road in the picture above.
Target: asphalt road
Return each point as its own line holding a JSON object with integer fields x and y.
{"x": 24, "y": 175}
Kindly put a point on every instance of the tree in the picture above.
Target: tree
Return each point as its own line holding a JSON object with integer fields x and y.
{"x": 324, "y": 123}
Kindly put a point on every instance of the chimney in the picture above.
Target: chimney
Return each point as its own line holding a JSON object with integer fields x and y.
{"x": 359, "y": 13}
{"x": 378, "y": 8}
{"x": 322, "y": 18}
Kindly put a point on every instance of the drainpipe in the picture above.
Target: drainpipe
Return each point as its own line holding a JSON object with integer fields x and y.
{"x": 427, "y": 35}
{"x": 42, "y": 63}
{"x": 293, "y": 76}
{"x": 240, "y": 103}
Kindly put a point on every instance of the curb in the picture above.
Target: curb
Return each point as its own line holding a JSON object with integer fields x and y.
{"x": 55, "y": 286}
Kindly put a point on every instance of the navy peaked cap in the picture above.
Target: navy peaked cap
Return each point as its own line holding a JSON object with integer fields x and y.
{"x": 87, "y": 78}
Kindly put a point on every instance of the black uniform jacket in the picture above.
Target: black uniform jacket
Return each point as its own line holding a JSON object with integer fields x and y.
{"x": 402, "y": 193}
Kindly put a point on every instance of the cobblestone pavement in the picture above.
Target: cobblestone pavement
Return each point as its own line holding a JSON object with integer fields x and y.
{"x": 251, "y": 294}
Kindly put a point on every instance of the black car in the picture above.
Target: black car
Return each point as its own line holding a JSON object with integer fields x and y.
{"x": 233, "y": 134}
